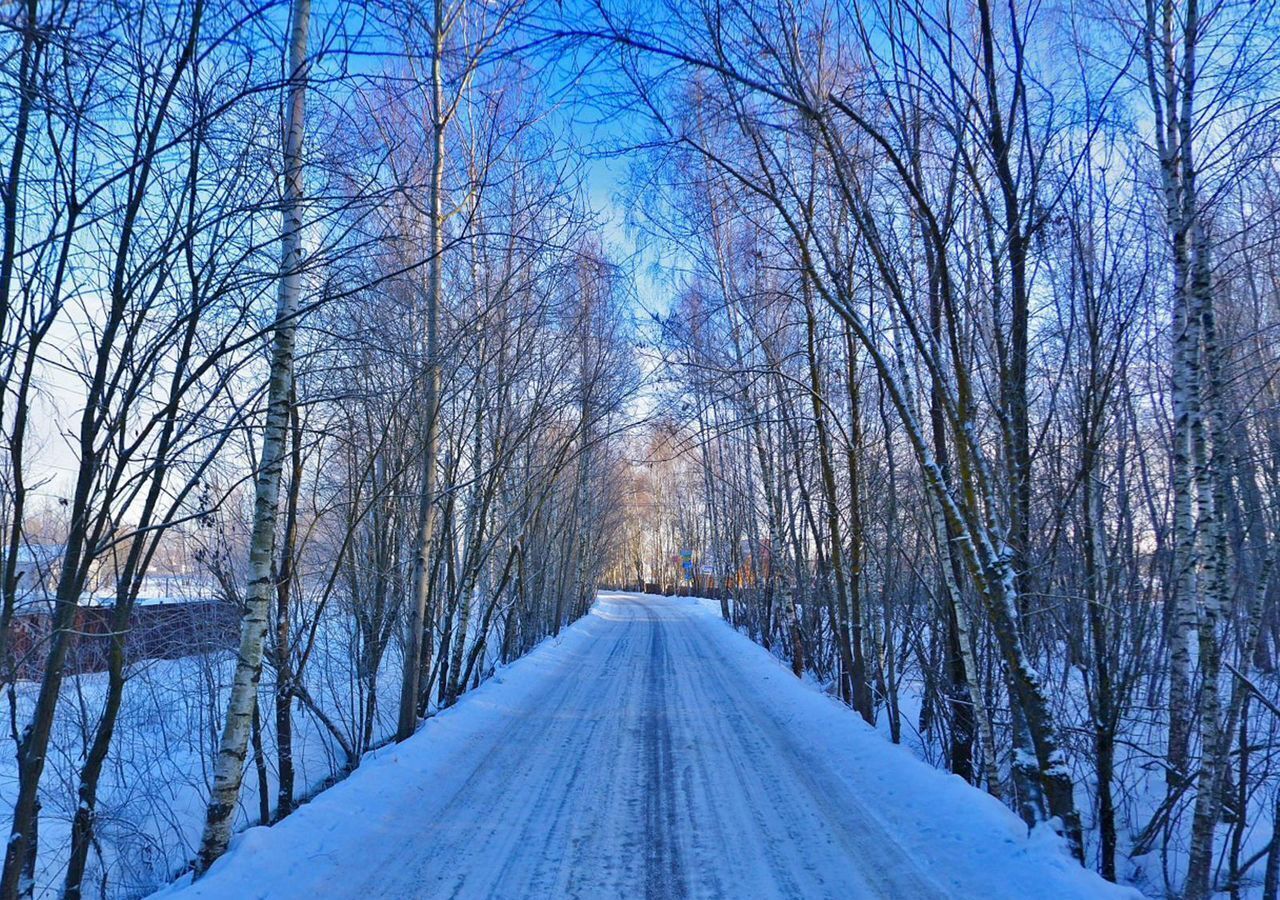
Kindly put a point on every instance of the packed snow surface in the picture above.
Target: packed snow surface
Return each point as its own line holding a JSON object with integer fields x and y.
{"x": 650, "y": 750}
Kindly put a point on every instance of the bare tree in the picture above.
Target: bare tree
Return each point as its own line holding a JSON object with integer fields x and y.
{"x": 242, "y": 700}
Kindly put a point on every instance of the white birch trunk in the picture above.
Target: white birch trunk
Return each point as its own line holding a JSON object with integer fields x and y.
{"x": 411, "y": 687}
{"x": 229, "y": 765}
{"x": 981, "y": 715}
{"x": 1211, "y": 489}
{"x": 1173, "y": 140}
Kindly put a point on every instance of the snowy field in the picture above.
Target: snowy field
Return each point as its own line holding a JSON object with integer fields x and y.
{"x": 155, "y": 786}
{"x": 650, "y": 750}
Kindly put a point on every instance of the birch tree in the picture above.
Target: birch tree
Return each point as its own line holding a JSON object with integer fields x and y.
{"x": 242, "y": 700}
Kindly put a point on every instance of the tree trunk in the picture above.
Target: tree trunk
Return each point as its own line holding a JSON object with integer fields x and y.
{"x": 411, "y": 689}
{"x": 861, "y": 689}
{"x": 283, "y": 639}
{"x": 1211, "y": 492}
{"x": 229, "y": 766}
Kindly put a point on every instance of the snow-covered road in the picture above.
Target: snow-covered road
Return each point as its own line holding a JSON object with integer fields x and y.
{"x": 650, "y": 751}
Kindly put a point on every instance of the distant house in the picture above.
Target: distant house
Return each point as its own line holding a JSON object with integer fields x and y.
{"x": 37, "y": 569}
{"x": 173, "y": 616}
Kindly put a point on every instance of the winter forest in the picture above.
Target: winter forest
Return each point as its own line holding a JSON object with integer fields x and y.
{"x": 348, "y": 349}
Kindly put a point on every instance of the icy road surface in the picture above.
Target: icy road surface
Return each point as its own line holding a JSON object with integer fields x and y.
{"x": 649, "y": 751}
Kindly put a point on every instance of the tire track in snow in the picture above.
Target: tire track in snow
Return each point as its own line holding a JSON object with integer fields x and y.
{"x": 511, "y": 806}
{"x": 869, "y": 860}
{"x": 664, "y": 868}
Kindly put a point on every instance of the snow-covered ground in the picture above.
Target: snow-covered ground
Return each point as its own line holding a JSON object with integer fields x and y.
{"x": 649, "y": 750}
{"x": 154, "y": 789}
